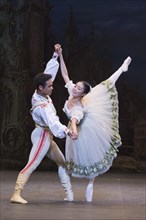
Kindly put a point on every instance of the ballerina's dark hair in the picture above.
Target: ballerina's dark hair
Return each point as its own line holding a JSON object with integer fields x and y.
{"x": 87, "y": 87}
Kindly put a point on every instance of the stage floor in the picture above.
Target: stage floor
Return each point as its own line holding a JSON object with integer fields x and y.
{"x": 117, "y": 196}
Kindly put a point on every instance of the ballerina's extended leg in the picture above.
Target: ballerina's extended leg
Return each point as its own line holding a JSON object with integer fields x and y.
{"x": 113, "y": 78}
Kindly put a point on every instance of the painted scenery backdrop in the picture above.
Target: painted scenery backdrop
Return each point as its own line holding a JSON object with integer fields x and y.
{"x": 96, "y": 37}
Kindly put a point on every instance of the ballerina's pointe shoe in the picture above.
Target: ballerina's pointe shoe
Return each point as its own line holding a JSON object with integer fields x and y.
{"x": 126, "y": 63}
{"x": 89, "y": 192}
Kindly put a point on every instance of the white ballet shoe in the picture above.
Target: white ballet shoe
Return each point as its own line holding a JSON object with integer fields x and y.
{"x": 89, "y": 192}
{"x": 70, "y": 198}
{"x": 125, "y": 65}
{"x": 65, "y": 181}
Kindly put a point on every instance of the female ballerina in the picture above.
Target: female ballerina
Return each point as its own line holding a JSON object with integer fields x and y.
{"x": 93, "y": 118}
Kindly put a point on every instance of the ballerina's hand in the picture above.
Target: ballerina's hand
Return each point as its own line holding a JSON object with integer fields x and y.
{"x": 60, "y": 51}
{"x": 57, "y": 47}
{"x": 74, "y": 135}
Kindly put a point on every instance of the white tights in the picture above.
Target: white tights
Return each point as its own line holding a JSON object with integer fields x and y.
{"x": 43, "y": 145}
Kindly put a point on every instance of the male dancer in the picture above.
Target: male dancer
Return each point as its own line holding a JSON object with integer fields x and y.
{"x": 47, "y": 124}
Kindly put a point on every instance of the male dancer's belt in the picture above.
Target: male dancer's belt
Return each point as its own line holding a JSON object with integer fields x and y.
{"x": 44, "y": 127}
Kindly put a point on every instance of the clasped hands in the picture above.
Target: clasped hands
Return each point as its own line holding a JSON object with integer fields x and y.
{"x": 58, "y": 48}
{"x": 73, "y": 135}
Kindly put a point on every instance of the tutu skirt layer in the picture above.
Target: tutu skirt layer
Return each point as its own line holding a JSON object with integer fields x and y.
{"x": 93, "y": 152}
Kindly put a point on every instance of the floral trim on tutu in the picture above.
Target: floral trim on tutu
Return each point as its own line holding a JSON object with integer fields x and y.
{"x": 95, "y": 169}
{"x": 104, "y": 165}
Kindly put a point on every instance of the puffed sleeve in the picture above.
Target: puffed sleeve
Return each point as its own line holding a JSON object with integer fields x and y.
{"x": 52, "y": 66}
{"x": 69, "y": 85}
{"x": 77, "y": 113}
{"x": 52, "y": 121}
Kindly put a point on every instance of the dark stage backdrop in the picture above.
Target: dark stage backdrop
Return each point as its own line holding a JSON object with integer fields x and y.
{"x": 95, "y": 38}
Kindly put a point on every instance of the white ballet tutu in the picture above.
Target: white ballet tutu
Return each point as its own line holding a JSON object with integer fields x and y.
{"x": 93, "y": 152}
